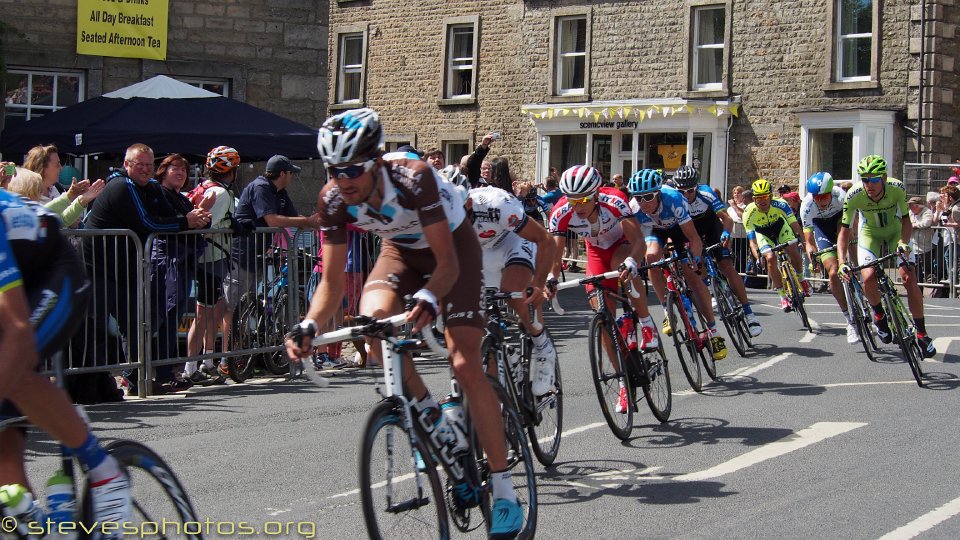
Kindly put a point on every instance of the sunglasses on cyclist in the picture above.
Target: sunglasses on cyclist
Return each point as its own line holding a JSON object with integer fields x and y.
{"x": 647, "y": 197}
{"x": 350, "y": 172}
{"x": 822, "y": 197}
{"x": 580, "y": 200}
{"x": 761, "y": 197}
{"x": 689, "y": 189}
{"x": 870, "y": 179}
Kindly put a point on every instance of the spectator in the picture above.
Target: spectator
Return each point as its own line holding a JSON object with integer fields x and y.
{"x": 131, "y": 200}
{"x": 845, "y": 186}
{"x": 949, "y": 216}
{"x": 921, "y": 240}
{"x": 553, "y": 193}
{"x": 222, "y": 165}
{"x": 478, "y": 169}
{"x": 793, "y": 199}
{"x": 738, "y": 234}
{"x": 953, "y": 181}
{"x": 499, "y": 175}
{"x": 26, "y": 184}
{"x": 45, "y": 161}
{"x": 533, "y": 206}
{"x": 434, "y": 157}
{"x": 29, "y": 184}
{"x": 263, "y": 203}
{"x": 69, "y": 205}
{"x": 784, "y": 189}
{"x": 933, "y": 201}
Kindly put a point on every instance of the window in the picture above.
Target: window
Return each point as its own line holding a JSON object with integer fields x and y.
{"x": 831, "y": 150}
{"x": 215, "y": 86}
{"x": 460, "y": 77}
{"x": 708, "y": 31}
{"x": 32, "y": 94}
{"x": 854, "y": 40}
{"x": 454, "y": 151}
{"x": 834, "y": 141}
{"x": 571, "y": 60}
{"x": 351, "y": 52}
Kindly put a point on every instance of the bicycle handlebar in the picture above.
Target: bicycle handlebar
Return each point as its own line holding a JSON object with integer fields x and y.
{"x": 376, "y": 326}
{"x": 591, "y": 280}
{"x": 878, "y": 261}
{"x": 782, "y": 246}
{"x": 824, "y": 250}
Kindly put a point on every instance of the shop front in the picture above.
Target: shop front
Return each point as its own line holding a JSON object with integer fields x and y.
{"x": 620, "y": 137}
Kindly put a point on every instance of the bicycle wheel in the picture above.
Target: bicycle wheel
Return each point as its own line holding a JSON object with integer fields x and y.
{"x": 681, "y": 339}
{"x": 277, "y": 362}
{"x": 158, "y": 498}
{"x": 609, "y": 377}
{"x": 246, "y": 335}
{"x": 794, "y": 292}
{"x": 705, "y": 350}
{"x": 400, "y": 498}
{"x": 859, "y": 313}
{"x": 722, "y": 292}
{"x": 657, "y": 390}
{"x": 547, "y": 421}
{"x": 903, "y": 335}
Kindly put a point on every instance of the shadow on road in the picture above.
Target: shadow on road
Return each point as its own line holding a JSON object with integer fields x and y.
{"x": 681, "y": 432}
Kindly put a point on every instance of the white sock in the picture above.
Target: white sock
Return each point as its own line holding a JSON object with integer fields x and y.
{"x": 846, "y": 315}
{"x": 648, "y": 322}
{"x": 208, "y": 362}
{"x": 503, "y": 486}
{"x": 107, "y": 469}
{"x": 540, "y": 340}
{"x": 189, "y": 368}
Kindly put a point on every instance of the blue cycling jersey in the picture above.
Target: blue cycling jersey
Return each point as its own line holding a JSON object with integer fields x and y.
{"x": 706, "y": 200}
{"x": 673, "y": 210}
{"x": 20, "y": 223}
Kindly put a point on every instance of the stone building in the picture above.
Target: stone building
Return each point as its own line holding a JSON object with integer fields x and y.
{"x": 269, "y": 54}
{"x": 740, "y": 88}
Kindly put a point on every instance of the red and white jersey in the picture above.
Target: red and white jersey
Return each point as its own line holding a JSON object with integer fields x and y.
{"x": 496, "y": 214}
{"x": 612, "y": 208}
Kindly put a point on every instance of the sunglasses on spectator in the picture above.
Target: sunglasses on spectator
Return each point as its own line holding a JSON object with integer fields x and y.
{"x": 871, "y": 179}
{"x": 647, "y": 197}
{"x": 350, "y": 172}
{"x": 580, "y": 200}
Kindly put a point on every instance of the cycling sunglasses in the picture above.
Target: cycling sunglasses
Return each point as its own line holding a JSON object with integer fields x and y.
{"x": 647, "y": 197}
{"x": 871, "y": 179}
{"x": 580, "y": 200}
{"x": 761, "y": 197}
{"x": 350, "y": 172}
{"x": 822, "y": 197}
{"x": 689, "y": 189}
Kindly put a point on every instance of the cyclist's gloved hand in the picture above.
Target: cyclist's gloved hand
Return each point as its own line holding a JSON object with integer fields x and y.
{"x": 844, "y": 271}
{"x": 424, "y": 310}
{"x": 903, "y": 248}
{"x": 630, "y": 264}
{"x": 300, "y": 338}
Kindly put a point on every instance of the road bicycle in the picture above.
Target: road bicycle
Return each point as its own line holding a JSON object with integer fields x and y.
{"x": 159, "y": 500}
{"x": 858, "y": 307}
{"x": 400, "y": 489}
{"x": 791, "y": 283}
{"x": 262, "y": 318}
{"x": 683, "y": 317}
{"x": 729, "y": 306}
{"x": 898, "y": 317}
{"x": 542, "y": 415}
{"x": 624, "y": 368}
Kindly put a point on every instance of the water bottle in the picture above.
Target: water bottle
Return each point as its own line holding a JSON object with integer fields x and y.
{"x": 19, "y": 503}
{"x": 688, "y": 306}
{"x": 452, "y": 409}
{"x": 628, "y": 330}
{"x": 61, "y": 503}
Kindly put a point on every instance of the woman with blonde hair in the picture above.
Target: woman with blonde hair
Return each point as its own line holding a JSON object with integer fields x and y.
{"x": 70, "y": 205}
{"x": 26, "y": 183}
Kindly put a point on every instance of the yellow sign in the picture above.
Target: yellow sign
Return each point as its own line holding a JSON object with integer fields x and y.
{"x": 124, "y": 28}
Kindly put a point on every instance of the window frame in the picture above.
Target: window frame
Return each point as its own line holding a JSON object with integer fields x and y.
{"x": 832, "y": 81}
{"x": 342, "y": 34}
{"x": 712, "y": 90}
{"x": 200, "y": 82}
{"x": 557, "y": 93}
{"x": 29, "y": 108}
{"x": 865, "y": 124}
{"x": 447, "y": 79}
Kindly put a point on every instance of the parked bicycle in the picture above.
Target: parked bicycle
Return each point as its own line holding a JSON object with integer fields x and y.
{"x": 616, "y": 365}
{"x": 400, "y": 488}
{"x": 791, "y": 283}
{"x": 683, "y": 317}
{"x": 542, "y": 415}
{"x": 729, "y": 306}
{"x": 901, "y": 322}
{"x": 158, "y": 497}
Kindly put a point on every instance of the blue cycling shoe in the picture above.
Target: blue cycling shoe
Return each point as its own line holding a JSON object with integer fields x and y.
{"x": 506, "y": 520}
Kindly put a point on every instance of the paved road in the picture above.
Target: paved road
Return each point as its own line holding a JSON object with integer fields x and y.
{"x": 804, "y": 438}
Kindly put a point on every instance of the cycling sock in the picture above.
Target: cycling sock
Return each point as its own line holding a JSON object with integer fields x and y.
{"x": 846, "y": 317}
{"x": 189, "y": 368}
{"x": 208, "y": 362}
{"x": 503, "y": 486}
{"x": 921, "y": 325}
{"x": 878, "y": 312}
{"x": 747, "y": 310}
{"x": 539, "y": 340}
{"x": 648, "y": 322}
{"x": 108, "y": 470}
{"x": 90, "y": 454}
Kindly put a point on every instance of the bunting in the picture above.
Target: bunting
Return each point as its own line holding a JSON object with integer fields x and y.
{"x": 631, "y": 112}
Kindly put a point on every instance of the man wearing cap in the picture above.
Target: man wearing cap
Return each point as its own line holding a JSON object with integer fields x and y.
{"x": 263, "y": 203}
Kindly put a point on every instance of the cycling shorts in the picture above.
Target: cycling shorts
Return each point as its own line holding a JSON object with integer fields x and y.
{"x": 661, "y": 236}
{"x": 765, "y": 244}
{"x": 405, "y": 271}
{"x": 512, "y": 251}
{"x": 210, "y": 282}
{"x": 599, "y": 261}
{"x": 870, "y": 246}
{"x": 58, "y": 300}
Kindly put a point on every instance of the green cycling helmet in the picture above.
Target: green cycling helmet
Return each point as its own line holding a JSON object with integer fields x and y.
{"x": 872, "y": 165}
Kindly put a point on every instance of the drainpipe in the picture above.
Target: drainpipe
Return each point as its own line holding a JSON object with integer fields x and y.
{"x": 923, "y": 63}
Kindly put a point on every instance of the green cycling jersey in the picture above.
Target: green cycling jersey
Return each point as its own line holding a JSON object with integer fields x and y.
{"x": 879, "y": 217}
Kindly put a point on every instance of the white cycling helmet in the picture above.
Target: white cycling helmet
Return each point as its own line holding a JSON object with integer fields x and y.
{"x": 580, "y": 180}
{"x": 452, "y": 174}
{"x": 350, "y": 136}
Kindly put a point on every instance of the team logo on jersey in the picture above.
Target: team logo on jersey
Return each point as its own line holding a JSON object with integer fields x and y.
{"x": 488, "y": 234}
{"x": 513, "y": 220}
{"x": 488, "y": 215}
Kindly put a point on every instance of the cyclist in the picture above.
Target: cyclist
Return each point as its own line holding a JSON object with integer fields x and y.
{"x": 43, "y": 299}
{"x": 769, "y": 222}
{"x": 517, "y": 253}
{"x": 601, "y": 216}
{"x": 664, "y": 215}
{"x": 421, "y": 219}
{"x": 884, "y": 219}
{"x": 820, "y": 215}
{"x": 713, "y": 224}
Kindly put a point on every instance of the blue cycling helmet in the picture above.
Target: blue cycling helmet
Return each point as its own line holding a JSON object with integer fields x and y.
{"x": 820, "y": 183}
{"x": 645, "y": 181}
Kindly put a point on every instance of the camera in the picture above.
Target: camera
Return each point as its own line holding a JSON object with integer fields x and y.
{"x": 10, "y": 169}
{"x": 495, "y": 135}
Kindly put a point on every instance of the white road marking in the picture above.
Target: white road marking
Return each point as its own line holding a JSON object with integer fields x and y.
{"x": 812, "y": 333}
{"x": 942, "y": 343}
{"x": 747, "y": 371}
{"x": 925, "y": 522}
{"x": 803, "y": 438}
